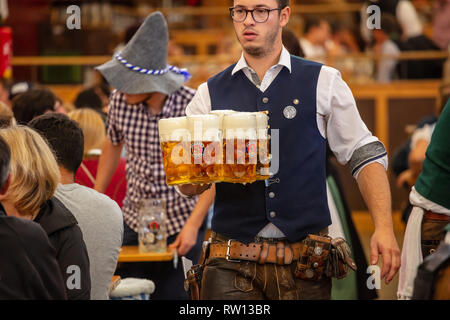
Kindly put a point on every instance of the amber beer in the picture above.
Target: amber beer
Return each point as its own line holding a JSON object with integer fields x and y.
{"x": 206, "y": 148}
{"x": 240, "y": 148}
{"x": 262, "y": 165}
{"x": 175, "y": 144}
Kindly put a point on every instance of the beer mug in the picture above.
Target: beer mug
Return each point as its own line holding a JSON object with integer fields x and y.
{"x": 240, "y": 147}
{"x": 262, "y": 165}
{"x": 152, "y": 226}
{"x": 221, "y": 114}
{"x": 175, "y": 146}
{"x": 206, "y": 148}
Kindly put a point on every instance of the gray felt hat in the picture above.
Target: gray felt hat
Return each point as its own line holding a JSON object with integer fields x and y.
{"x": 141, "y": 67}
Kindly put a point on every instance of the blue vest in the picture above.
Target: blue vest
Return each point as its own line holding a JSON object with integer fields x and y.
{"x": 297, "y": 203}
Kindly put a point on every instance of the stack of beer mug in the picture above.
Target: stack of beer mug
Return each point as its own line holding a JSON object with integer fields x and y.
{"x": 222, "y": 146}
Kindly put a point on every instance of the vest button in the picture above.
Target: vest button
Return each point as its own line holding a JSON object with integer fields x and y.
{"x": 265, "y": 100}
{"x": 271, "y": 195}
{"x": 272, "y": 214}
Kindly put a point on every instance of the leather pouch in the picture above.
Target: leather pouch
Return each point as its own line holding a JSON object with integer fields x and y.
{"x": 193, "y": 281}
{"x": 340, "y": 262}
{"x": 312, "y": 261}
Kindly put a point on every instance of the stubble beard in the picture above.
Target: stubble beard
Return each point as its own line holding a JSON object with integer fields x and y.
{"x": 261, "y": 51}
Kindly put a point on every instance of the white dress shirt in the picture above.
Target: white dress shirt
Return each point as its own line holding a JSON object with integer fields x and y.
{"x": 338, "y": 118}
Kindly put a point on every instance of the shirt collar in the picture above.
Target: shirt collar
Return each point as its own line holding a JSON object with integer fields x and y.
{"x": 285, "y": 60}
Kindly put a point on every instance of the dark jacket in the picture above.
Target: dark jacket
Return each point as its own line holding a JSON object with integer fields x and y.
{"x": 65, "y": 235}
{"x": 28, "y": 266}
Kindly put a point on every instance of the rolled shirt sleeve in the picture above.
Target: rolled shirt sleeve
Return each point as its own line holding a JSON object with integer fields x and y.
{"x": 340, "y": 123}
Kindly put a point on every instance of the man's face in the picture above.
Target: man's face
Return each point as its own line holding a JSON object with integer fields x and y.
{"x": 257, "y": 39}
{"x": 136, "y": 98}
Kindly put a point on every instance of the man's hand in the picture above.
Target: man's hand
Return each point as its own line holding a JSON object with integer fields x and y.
{"x": 374, "y": 187}
{"x": 193, "y": 189}
{"x": 185, "y": 240}
{"x": 383, "y": 242}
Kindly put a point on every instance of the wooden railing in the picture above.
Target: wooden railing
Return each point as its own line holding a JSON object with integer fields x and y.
{"x": 221, "y": 58}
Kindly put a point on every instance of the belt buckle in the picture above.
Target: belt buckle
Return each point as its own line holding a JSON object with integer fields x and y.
{"x": 227, "y": 257}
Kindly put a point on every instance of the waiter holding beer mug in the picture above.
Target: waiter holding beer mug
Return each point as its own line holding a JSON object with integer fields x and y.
{"x": 269, "y": 238}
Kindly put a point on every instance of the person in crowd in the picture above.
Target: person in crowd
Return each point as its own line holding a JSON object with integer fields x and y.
{"x": 316, "y": 34}
{"x": 283, "y": 210}
{"x": 100, "y": 218}
{"x": 28, "y": 268}
{"x": 90, "y": 98}
{"x": 139, "y": 101}
{"x": 441, "y": 23}
{"x": 412, "y": 39}
{"x": 408, "y": 158}
{"x": 431, "y": 206}
{"x": 6, "y": 116}
{"x": 386, "y": 67}
{"x": 94, "y": 137}
{"x": 403, "y": 11}
{"x": 34, "y": 178}
{"x": 343, "y": 40}
{"x": 33, "y": 103}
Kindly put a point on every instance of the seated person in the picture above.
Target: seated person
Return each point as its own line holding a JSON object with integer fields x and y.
{"x": 91, "y": 98}
{"x": 94, "y": 137}
{"x": 33, "y": 103}
{"x": 28, "y": 267}
{"x": 34, "y": 178}
{"x": 99, "y": 217}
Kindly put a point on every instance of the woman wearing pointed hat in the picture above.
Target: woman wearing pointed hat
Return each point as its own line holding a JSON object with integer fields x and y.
{"x": 148, "y": 89}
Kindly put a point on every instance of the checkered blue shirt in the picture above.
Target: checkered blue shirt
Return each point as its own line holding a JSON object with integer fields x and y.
{"x": 146, "y": 178}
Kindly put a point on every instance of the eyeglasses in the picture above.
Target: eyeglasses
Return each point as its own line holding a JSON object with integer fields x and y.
{"x": 260, "y": 15}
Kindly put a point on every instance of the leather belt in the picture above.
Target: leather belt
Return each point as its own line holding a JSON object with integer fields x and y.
{"x": 436, "y": 216}
{"x": 280, "y": 252}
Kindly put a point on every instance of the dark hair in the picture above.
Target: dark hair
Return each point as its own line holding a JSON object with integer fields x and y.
{"x": 283, "y": 3}
{"x": 390, "y": 26}
{"x": 31, "y": 104}
{"x": 290, "y": 41}
{"x": 313, "y": 22}
{"x": 5, "y": 158}
{"x": 64, "y": 136}
{"x": 88, "y": 98}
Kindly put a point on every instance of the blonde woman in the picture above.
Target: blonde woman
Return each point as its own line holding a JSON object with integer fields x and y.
{"x": 93, "y": 128}
{"x": 34, "y": 176}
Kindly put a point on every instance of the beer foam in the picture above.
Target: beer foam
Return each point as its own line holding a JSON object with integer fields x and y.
{"x": 262, "y": 120}
{"x": 204, "y": 126}
{"x": 240, "y": 125}
{"x": 171, "y": 128}
{"x": 167, "y": 126}
{"x": 221, "y": 114}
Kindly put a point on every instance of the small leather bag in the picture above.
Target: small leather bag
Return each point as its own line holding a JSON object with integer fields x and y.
{"x": 340, "y": 262}
{"x": 313, "y": 258}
